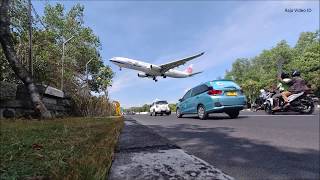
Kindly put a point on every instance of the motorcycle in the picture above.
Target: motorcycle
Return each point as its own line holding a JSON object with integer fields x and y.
{"x": 301, "y": 102}
{"x": 261, "y": 101}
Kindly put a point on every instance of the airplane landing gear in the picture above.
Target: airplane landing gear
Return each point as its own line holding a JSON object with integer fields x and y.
{"x": 120, "y": 68}
{"x": 155, "y": 79}
{"x": 164, "y": 76}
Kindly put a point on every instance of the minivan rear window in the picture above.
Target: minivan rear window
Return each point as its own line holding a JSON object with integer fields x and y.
{"x": 224, "y": 85}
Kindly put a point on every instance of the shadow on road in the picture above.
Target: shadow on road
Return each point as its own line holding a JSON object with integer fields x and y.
{"x": 243, "y": 158}
{"x": 212, "y": 117}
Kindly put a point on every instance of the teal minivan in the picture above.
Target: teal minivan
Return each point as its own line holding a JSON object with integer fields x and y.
{"x": 218, "y": 96}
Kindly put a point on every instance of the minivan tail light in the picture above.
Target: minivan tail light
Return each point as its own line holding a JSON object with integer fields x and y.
{"x": 214, "y": 92}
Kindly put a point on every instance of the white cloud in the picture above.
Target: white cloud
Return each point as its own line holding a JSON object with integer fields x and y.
{"x": 248, "y": 26}
{"x": 123, "y": 80}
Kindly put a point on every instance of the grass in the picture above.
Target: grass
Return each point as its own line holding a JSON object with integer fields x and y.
{"x": 74, "y": 148}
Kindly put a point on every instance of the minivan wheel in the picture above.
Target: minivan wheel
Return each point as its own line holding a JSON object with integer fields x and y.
{"x": 233, "y": 114}
{"x": 178, "y": 113}
{"x": 202, "y": 114}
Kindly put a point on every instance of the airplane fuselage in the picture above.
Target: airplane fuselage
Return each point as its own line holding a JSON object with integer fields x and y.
{"x": 151, "y": 70}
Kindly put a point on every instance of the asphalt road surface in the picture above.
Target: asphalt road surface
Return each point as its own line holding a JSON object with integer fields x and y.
{"x": 254, "y": 146}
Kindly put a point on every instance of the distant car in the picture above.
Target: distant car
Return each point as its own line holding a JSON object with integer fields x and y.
{"x": 218, "y": 96}
{"x": 160, "y": 107}
{"x": 130, "y": 113}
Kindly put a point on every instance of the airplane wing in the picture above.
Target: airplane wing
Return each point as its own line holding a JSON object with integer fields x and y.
{"x": 171, "y": 65}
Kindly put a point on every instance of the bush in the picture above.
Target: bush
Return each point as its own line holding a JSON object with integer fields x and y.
{"x": 87, "y": 105}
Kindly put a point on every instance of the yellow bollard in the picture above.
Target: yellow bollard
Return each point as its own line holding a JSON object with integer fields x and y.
{"x": 117, "y": 108}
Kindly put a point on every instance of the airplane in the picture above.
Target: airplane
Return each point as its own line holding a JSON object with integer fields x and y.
{"x": 153, "y": 71}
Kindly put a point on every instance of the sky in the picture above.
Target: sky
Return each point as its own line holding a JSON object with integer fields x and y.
{"x": 162, "y": 31}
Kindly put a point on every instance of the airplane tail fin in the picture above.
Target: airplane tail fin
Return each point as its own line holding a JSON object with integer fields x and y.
{"x": 189, "y": 69}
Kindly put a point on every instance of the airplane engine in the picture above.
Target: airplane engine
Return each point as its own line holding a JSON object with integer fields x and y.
{"x": 142, "y": 75}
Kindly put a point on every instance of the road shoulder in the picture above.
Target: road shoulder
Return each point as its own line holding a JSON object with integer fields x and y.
{"x": 143, "y": 154}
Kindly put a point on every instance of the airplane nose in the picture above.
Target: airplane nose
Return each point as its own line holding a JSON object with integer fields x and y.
{"x": 116, "y": 61}
{"x": 113, "y": 60}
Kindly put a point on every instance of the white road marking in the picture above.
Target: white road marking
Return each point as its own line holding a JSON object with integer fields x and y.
{"x": 274, "y": 115}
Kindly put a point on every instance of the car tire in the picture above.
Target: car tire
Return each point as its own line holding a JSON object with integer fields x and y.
{"x": 150, "y": 113}
{"x": 202, "y": 114}
{"x": 178, "y": 113}
{"x": 233, "y": 114}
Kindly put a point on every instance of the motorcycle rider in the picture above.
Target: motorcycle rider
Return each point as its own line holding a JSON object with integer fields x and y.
{"x": 296, "y": 85}
{"x": 261, "y": 99}
{"x": 281, "y": 87}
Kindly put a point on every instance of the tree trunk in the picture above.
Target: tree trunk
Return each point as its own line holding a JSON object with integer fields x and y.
{"x": 20, "y": 71}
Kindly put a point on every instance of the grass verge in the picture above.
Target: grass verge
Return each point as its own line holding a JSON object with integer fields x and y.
{"x": 74, "y": 148}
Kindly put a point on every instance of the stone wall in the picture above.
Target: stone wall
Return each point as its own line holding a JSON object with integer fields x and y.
{"x": 7, "y": 91}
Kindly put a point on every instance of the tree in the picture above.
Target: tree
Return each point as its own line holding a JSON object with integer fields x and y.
{"x": 306, "y": 39}
{"x": 173, "y": 107}
{"x": 49, "y": 32}
{"x": 262, "y": 71}
{"x": 145, "y": 108}
{"x": 251, "y": 88}
{"x": 102, "y": 80}
{"x": 308, "y": 62}
{"x": 10, "y": 53}
{"x": 239, "y": 70}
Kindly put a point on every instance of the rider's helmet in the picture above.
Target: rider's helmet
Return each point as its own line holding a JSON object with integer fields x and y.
{"x": 284, "y": 75}
{"x": 295, "y": 73}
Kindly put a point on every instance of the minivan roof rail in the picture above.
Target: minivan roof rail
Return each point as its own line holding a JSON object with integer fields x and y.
{"x": 222, "y": 80}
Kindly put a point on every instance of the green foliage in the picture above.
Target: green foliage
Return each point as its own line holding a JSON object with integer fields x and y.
{"x": 58, "y": 149}
{"x": 309, "y": 65}
{"x": 102, "y": 80}
{"x": 173, "y": 107}
{"x": 86, "y": 105}
{"x": 262, "y": 71}
{"x": 144, "y": 108}
{"x": 49, "y": 32}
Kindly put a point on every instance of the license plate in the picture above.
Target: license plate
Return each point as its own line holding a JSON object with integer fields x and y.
{"x": 232, "y": 93}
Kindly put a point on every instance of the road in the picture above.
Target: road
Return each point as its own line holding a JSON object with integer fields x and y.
{"x": 254, "y": 146}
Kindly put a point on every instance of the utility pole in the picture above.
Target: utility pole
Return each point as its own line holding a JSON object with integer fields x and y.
{"x": 62, "y": 60}
{"x": 30, "y": 40}
{"x": 87, "y": 74}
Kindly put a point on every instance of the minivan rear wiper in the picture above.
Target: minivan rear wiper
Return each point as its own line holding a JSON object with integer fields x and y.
{"x": 231, "y": 87}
